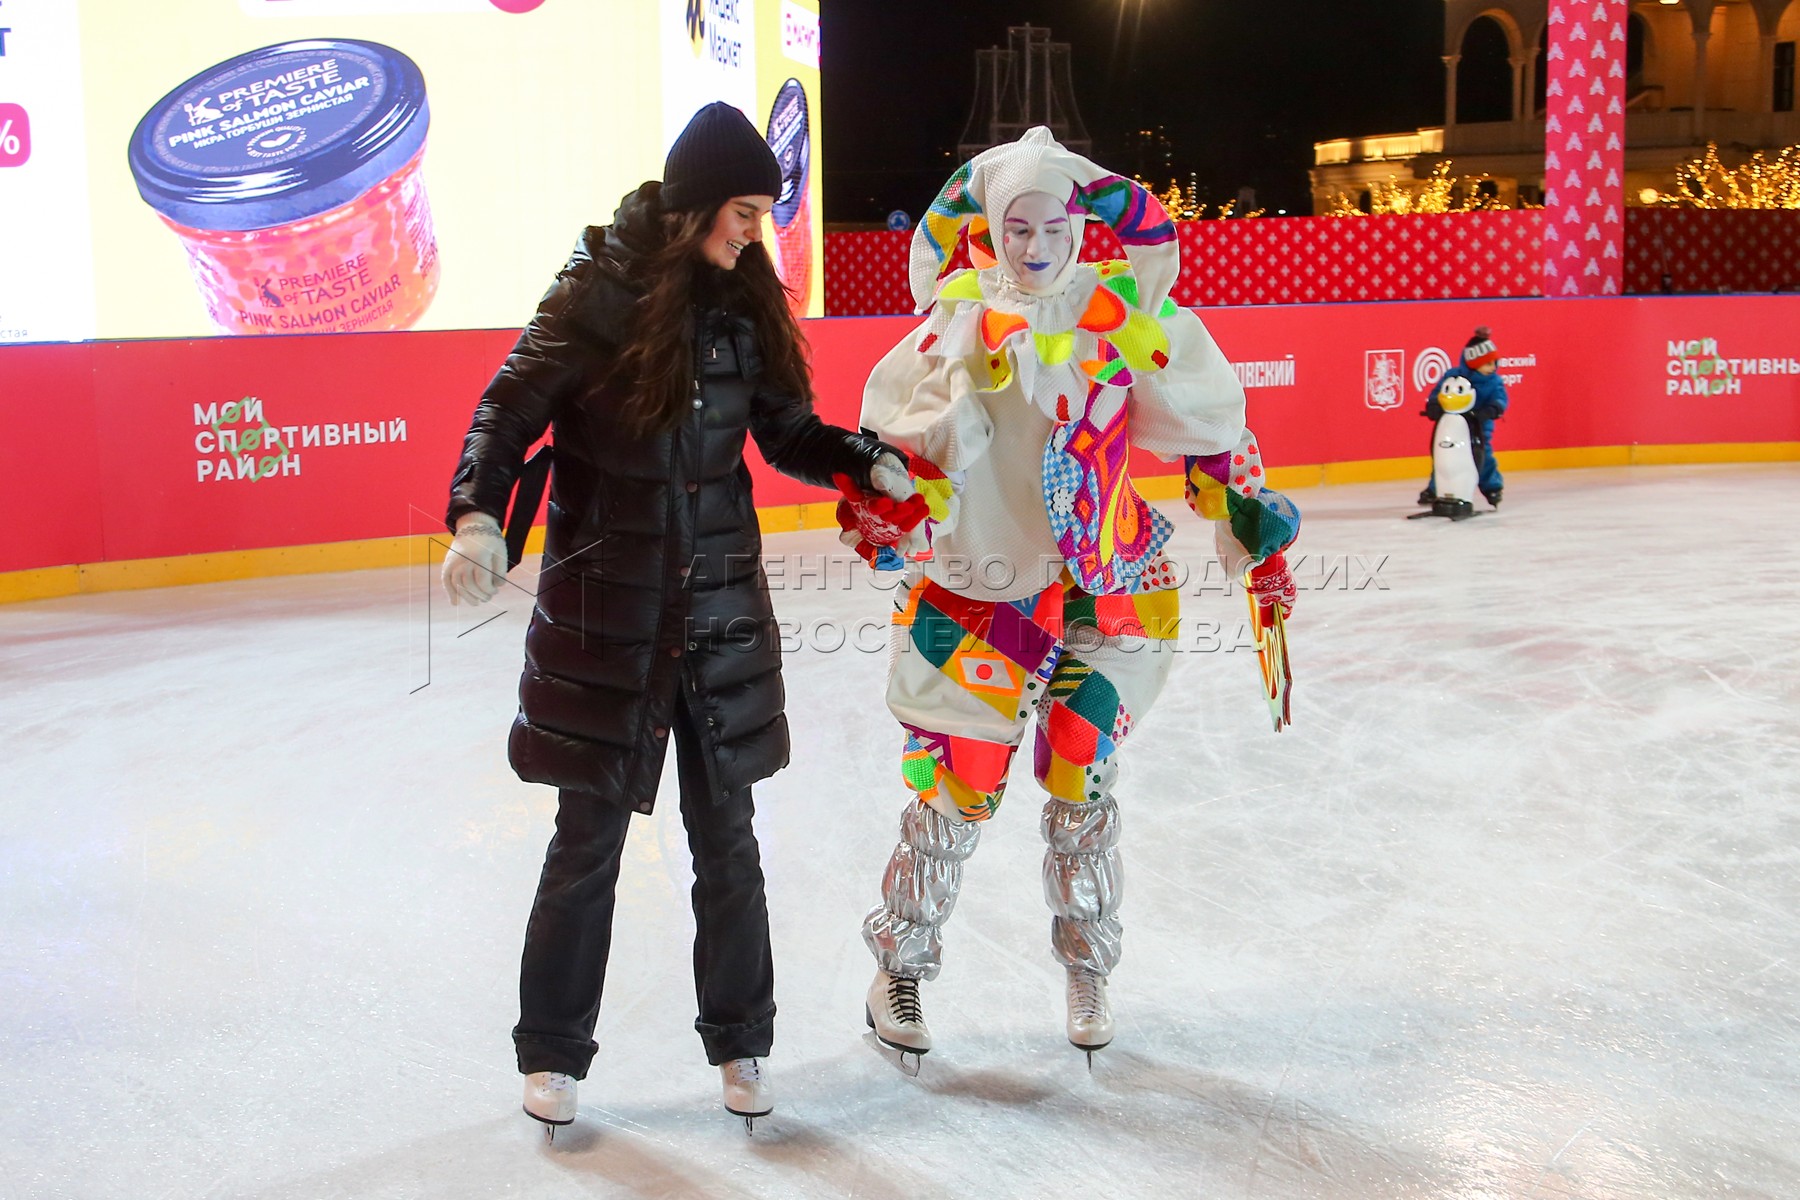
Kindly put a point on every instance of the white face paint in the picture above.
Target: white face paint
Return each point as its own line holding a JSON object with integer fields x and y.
{"x": 1037, "y": 239}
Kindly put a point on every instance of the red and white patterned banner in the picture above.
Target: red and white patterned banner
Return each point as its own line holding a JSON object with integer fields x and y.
{"x": 1584, "y": 148}
{"x": 1273, "y": 260}
{"x": 1317, "y": 260}
{"x": 1712, "y": 250}
{"x": 865, "y": 273}
{"x": 1314, "y": 260}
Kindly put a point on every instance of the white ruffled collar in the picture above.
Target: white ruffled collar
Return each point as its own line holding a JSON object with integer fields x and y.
{"x": 1057, "y": 312}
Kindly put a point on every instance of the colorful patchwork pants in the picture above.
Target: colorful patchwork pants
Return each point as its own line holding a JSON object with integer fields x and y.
{"x": 967, "y": 677}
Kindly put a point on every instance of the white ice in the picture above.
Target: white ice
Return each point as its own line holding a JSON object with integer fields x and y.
{"x": 1511, "y": 911}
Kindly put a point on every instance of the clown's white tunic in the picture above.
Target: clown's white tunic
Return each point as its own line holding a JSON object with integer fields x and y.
{"x": 998, "y": 544}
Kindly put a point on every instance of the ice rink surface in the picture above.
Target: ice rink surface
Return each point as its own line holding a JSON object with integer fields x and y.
{"x": 1513, "y": 910}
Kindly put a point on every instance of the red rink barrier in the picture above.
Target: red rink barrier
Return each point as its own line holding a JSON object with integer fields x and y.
{"x": 133, "y": 450}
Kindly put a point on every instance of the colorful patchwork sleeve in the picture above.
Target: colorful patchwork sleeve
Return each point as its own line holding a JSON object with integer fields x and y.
{"x": 938, "y": 489}
{"x": 942, "y": 501}
{"x": 1229, "y": 488}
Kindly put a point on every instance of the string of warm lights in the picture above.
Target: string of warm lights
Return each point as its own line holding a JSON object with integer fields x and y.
{"x": 1184, "y": 203}
{"x": 1761, "y": 182}
{"x": 1702, "y": 182}
{"x": 1440, "y": 193}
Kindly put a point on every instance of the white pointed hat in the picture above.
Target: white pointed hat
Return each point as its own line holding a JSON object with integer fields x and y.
{"x": 1037, "y": 162}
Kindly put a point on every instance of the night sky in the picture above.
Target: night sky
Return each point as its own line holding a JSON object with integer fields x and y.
{"x": 1243, "y": 87}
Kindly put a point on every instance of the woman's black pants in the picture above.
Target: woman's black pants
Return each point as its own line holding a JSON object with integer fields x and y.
{"x": 570, "y": 931}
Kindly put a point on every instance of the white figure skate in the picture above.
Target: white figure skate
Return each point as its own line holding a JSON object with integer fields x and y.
{"x": 1090, "y": 1024}
{"x": 748, "y": 1093}
{"x": 550, "y": 1098}
{"x": 893, "y": 1011}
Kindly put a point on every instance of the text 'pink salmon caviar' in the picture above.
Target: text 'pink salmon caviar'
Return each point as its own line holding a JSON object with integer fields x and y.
{"x": 291, "y": 176}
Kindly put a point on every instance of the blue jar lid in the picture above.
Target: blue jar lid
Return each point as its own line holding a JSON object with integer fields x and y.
{"x": 787, "y": 137}
{"x": 280, "y": 134}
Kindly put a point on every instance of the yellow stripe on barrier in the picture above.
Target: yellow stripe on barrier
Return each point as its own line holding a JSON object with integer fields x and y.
{"x": 1158, "y": 487}
{"x": 1547, "y": 460}
{"x": 42, "y": 584}
{"x": 47, "y": 583}
{"x": 1712, "y": 452}
{"x": 790, "y": 518}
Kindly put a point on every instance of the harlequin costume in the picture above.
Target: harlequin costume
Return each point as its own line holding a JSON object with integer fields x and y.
{"x": 1045, "y": 590}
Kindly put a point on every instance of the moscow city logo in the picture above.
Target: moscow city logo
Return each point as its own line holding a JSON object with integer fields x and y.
{"x": 1384, "y": 378}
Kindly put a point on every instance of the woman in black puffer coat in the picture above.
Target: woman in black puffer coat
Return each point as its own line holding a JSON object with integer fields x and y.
{"x": 662, "y": 343}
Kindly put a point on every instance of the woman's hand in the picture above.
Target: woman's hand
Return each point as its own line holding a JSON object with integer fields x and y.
{"x": 476, "y": 564}
{"x": 891, "y": 478}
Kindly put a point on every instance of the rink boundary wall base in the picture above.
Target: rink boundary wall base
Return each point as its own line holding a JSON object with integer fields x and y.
{"x": 49, "y": 583}
{"x": 136, "y": 464}
{"x": 422, "y": 550}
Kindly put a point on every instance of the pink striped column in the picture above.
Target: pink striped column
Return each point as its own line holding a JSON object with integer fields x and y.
{"x": 1584, "y": 148}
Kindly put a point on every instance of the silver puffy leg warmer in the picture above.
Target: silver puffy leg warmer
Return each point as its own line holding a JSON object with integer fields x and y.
{"x": 918, "y": 891}
{"x": 1083, "y": 882}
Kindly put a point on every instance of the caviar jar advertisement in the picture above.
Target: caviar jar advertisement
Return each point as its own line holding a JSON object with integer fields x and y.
{"x": 248, "y": 167}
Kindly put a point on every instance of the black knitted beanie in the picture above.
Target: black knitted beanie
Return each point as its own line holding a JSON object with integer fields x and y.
{"x": 719, "y": 155}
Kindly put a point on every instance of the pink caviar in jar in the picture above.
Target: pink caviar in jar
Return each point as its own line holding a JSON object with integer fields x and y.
{"x": 367, "y": 265}
{"x": 291, "y": 174}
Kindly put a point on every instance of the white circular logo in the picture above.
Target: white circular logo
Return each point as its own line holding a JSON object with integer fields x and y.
{"x": 1429, "y": 367}
{"x": 277, "y": 142}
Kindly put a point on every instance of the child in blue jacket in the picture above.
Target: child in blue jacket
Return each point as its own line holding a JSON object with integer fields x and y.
{"x": 1480, "y": 366}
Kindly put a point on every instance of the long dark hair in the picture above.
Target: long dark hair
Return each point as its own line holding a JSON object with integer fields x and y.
{"x": 656, "y": 367}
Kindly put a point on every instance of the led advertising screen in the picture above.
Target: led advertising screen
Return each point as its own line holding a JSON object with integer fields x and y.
{"x": 200, "y": 168}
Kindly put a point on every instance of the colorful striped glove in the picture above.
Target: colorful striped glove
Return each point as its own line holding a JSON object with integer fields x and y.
{"x": 1273, "y": 585}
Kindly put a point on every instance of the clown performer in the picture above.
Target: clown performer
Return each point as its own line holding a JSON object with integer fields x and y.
{"x": 1045, "y": 589}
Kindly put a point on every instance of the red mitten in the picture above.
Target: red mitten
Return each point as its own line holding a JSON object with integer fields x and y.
{"x": 1272, "y": 584}
{"x": 872, "y": 521}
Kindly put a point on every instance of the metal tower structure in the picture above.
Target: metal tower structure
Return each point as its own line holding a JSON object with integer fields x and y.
{"x": 1023, "y": 84}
